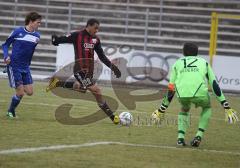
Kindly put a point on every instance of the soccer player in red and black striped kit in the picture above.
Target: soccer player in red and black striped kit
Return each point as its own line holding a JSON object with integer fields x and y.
{"x": 85, "y": 42}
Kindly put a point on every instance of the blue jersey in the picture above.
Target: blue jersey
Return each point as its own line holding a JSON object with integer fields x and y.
{"x": 23, "y": 46}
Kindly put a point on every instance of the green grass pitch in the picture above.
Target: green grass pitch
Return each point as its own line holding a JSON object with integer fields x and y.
{"x": 103, "y": 144}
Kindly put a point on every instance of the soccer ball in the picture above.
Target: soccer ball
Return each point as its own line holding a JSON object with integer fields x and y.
{"x": 126, "y": 118}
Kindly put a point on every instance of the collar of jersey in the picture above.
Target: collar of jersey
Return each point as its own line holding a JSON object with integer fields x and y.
{"x": 25, "y": 29}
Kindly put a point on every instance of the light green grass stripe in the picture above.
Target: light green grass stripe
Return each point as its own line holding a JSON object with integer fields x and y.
{"x": 119, "y": 110}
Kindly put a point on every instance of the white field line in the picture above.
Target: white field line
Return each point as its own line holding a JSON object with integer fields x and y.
{"x": 61, "y": 147}
{"x": 119, "y": 110}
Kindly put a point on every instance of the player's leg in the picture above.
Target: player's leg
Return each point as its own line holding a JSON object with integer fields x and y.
{"x": 183, "y": 120}
{"x": 15, "y": 81}
{"x": 23, "y": 83}
{"x": 16, "y": 99}
{"x": 85, "y": 82}
{"x": 204, "y": 119}
{"x": 61, "y": 77}
{"x": 96, "y": 91}
{"x": 28, "y": 89}
{"x": 55, "y": 82}
{"x": 27, "y": 82}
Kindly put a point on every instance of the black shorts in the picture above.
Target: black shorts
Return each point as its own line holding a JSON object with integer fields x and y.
{"x": 85, "y": 79}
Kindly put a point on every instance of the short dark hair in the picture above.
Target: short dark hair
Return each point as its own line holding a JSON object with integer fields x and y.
{"x": 32, "y": 16}
{"x": 190, "y": 49}
{"x": 92, "y": 21}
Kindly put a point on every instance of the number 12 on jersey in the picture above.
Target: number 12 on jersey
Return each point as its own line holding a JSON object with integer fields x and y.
{"x": 190, "y": 64}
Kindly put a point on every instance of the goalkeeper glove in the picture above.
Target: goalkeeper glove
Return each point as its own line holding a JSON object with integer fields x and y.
{"x": 55, "y": 40}
{"x": 116, "y": 71}
{"x": 158, "y": 115}
{"x": 230, "y": 114}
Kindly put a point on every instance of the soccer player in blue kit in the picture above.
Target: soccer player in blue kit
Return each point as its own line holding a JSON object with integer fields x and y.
{"x": 24, "y": 41}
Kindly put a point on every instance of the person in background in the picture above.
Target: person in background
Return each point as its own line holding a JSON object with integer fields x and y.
{"x": 24, "y": 41}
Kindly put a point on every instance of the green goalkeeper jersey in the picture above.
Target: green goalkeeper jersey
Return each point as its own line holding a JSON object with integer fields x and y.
{"x": 191, "y": 75}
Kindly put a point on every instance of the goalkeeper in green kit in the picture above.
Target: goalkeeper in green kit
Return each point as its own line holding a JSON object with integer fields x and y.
{"x": 189, "y": 79}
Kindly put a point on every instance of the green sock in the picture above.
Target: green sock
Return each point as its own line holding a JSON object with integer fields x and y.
{"x": 183, "y": 123}
{"x": 203, "y": 122}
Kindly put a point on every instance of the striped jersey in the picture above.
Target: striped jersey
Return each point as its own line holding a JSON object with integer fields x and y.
{"x": 84, "y": 47}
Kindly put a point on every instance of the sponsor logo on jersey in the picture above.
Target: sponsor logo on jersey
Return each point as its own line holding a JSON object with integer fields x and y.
{"x": 88, "y": 45}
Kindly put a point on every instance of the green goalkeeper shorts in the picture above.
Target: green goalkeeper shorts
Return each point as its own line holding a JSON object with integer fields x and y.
{"x": 203, "y": 102}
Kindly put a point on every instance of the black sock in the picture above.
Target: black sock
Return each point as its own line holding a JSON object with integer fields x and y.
{"x": 68, "y": 84}
{"x": 65, "y": 84}
{"x": 107, "y": 110}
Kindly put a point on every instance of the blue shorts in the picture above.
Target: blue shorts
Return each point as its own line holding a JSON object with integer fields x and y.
{"x": 18, "y": 76}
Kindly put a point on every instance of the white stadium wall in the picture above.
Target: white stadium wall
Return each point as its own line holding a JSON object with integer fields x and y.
{"x": 226, "y": 68}
{"x": 227, "y": 72}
